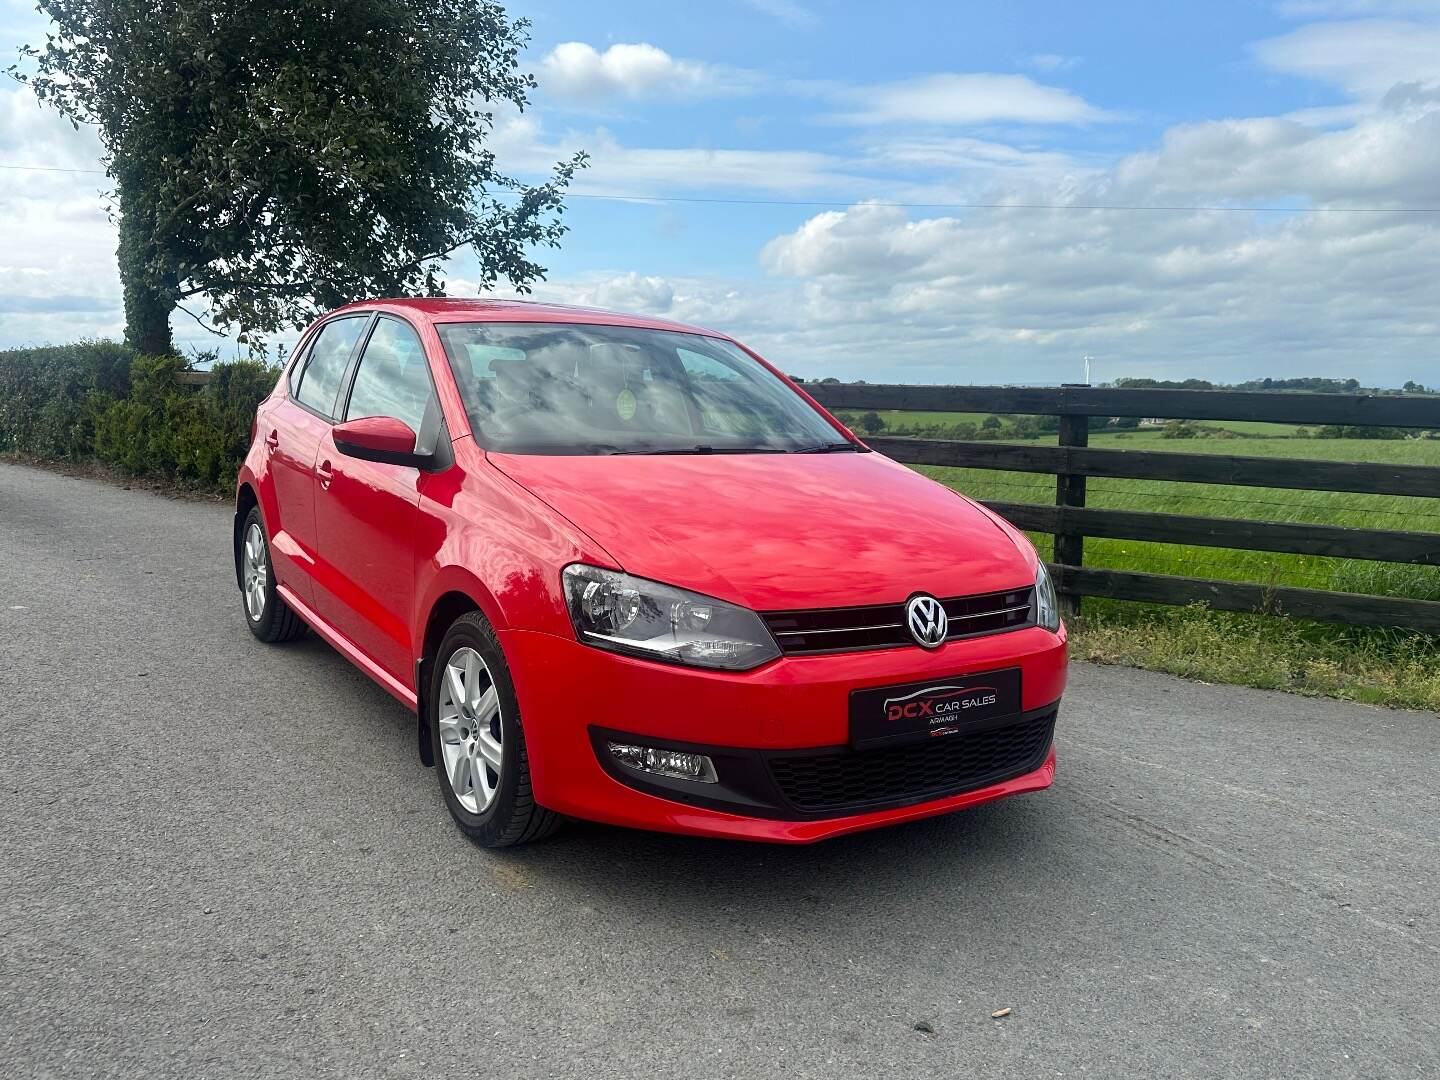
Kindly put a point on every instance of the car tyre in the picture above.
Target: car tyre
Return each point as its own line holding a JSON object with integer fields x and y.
{"x": 270, "y": 619}
{"x": 479, "y": 741}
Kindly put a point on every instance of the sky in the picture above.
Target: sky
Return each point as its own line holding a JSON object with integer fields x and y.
{"x": 928, "y": 191}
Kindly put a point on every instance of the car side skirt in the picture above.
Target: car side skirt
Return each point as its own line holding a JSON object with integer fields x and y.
{"x": 346, "y": 648}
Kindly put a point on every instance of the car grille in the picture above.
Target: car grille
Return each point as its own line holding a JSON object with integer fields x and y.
{"x": 828, "y": 630}
{"x": 847, "y": 780}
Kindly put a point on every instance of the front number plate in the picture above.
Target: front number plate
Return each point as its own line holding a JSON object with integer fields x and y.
{"x": 892, "y": 715}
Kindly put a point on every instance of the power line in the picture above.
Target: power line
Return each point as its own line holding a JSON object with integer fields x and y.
{"x": 1014, "y": 206}
{"x": 715, "y": 201}
{"x": 52, "y": 168}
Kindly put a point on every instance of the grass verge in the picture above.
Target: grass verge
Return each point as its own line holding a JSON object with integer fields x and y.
{"x": 95, "y": 469}
{"x": 1396, "y": 668}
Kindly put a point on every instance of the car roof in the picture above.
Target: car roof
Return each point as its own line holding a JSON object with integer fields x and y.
{"x": 445, "y": 309}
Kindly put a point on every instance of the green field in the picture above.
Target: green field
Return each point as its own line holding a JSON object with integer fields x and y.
{"x": 1246, "y": 439}
{"x": 1208, "y": 500}
{"x": 1381, "y": 666}
{"x": 906, "y": 418}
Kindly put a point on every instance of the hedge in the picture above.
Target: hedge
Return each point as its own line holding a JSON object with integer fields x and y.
{"x": 97, "y": 400}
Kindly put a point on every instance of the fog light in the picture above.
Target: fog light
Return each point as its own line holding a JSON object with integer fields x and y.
{"x": 674, "y": 763}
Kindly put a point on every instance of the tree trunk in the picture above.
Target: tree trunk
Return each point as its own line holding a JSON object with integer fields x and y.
{"x": 149, "y": 298}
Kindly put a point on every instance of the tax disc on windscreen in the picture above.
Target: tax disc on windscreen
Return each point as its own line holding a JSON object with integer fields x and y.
{"x": 625, "y": 404}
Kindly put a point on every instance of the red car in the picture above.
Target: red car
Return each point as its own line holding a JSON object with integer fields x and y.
{"x": 625, "y": 570}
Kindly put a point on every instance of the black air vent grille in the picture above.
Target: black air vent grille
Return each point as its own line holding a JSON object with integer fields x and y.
{"x": 847, "y": 780}
{"x": 826, "y": 630}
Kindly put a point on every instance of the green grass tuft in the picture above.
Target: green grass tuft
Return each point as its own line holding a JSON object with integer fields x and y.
{"x": 1386, "y": 667}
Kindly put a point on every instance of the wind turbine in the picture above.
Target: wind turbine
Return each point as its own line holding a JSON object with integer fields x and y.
{"x": 1087, "y": 358}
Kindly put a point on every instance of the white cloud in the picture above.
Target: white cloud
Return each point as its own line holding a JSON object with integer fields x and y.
{"x": 626, "y": 292}
{"x": 1052, "y": 62}
{"x": 1389, "y": 159}
{"x": 1365, "y": 58}
{"x": 960, "y": 99}
{"x": 32, "y": 134}
{"x": 57, "y": 263}
{"x": 980, "y": 161}
{"x": 902, "y": 167}
{"x": 787, "y": 11}
{"x": 874, "y": 287}
{"x": 523, "y": 147}
{"x": 1307, "y": 9}
{"x": 579, "y": 75}
{"x": 1015, "y": 294}
{"x": 873, "y": 293}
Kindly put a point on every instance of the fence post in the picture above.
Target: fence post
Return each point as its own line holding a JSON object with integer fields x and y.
{"x": 1070, "y": 491}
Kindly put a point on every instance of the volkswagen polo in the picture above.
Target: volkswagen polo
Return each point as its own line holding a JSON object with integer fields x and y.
{"x": 624, "y": 570}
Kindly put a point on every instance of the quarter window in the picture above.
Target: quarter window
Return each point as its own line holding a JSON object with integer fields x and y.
{"x": 393, "y": 378}
{"x": 325, "y": 367}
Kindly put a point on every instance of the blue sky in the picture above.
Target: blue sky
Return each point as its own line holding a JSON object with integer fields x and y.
{"x": 815, "y": 118}
{"x": 1121, "y": 57}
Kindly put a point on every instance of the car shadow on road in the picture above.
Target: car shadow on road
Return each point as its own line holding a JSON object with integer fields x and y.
{"x": 947, "y": 864}
{"x": 964, "y": 859}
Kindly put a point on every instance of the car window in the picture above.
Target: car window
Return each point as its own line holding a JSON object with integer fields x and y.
{"x": 722, "y": 397}
{"x": 325, "y": 367}
{"x": 561, "y": 388}
{"x": 393, "y": 378}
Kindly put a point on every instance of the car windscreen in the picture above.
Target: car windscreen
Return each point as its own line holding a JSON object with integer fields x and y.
{"x": 564, "y": 388}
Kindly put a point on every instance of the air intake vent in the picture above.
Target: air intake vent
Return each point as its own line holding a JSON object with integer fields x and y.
{"x": 845, "y": 781}
{"x": 831, "y": 630}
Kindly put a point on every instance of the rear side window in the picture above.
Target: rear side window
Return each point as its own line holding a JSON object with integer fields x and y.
{"x": 393, "y": 378}
{"x": 325, "y": 366}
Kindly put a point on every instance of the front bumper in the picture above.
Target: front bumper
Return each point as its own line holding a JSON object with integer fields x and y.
{"x": 573, "y": 697}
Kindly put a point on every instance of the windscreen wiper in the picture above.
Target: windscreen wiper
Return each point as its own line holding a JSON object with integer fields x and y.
{"x": 705, "y": 450}
{"x": 828, "y": 448}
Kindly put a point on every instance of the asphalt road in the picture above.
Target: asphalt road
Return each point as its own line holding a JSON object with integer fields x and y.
{"x": 221, "y": 859}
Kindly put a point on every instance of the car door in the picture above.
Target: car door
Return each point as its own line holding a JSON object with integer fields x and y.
{"x": 292, "y": 431}
{"x": 365, "y": 511}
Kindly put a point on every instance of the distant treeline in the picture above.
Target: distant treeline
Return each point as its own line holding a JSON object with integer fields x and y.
{"x": 1314, "y": 385}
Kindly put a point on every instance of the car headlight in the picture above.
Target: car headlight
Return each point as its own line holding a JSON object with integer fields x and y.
{"x": 1047, "y": 604}
{"x": 627, "y": 614}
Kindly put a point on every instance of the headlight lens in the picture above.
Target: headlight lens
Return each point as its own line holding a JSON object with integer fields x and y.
{"x": 1047, "y": 605}
{"x": 627, "y": 614}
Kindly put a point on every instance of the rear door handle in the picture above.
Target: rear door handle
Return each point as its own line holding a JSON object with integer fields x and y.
{"x": 325, "y": 474}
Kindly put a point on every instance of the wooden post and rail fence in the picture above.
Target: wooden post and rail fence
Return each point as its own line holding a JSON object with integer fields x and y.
{"x": 1072, "y": 461}
{"x": 1070, "y": 521}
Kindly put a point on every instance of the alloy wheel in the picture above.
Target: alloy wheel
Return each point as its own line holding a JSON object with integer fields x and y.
{"x": 470, "y": 731}
{"x": 256, "y": 572}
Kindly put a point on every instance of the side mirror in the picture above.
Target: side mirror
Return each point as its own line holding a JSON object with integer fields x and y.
{"x": 379, "y": 438}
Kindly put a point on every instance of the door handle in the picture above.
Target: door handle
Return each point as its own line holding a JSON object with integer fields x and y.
{"x": 273, "y": 441}
{"x": 325, "y": 474}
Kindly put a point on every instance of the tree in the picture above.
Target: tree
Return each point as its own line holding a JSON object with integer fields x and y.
{"x": 872, "y": 423}
{"x": 281, "y": 159}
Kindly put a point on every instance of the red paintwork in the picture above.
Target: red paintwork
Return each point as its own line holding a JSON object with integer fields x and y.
{"x": 383, "y": 433}
{"x": 364, "y": 552}
{"x": 778, "y": 532}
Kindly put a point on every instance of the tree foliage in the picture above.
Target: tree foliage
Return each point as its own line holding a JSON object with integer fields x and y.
{"x": 283, "y": 158}
{"x": 98, "y": 400}
{"x": 872, "y": 423}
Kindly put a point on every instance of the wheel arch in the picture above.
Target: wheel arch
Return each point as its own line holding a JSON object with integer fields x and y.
{"x": 454, "y": 599}
{"x": 245, "y": 501}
